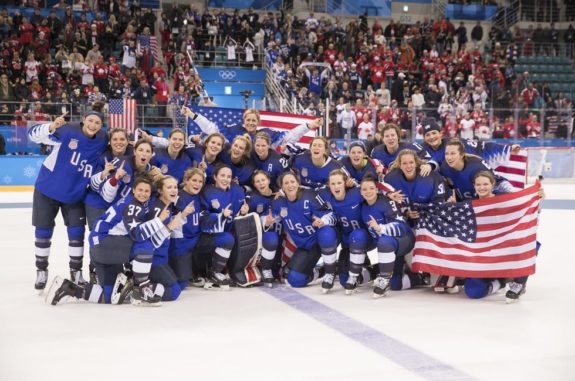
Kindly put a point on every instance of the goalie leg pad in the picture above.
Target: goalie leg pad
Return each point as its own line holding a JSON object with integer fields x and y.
{"x": 248, "y": 237}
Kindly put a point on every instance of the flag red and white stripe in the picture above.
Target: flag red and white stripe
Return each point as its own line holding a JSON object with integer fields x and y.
{"x": 122, "y": 114}
{"x": 504, "y": 243}
{"x": 284, "y": 122}
{"x": 515, "y": 170}
{"x": 154, "y": 46}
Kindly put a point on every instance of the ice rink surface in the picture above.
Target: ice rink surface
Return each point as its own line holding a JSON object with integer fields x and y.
{"x": 288, "y": 334}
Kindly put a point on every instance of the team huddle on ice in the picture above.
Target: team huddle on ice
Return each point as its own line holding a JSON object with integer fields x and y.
{"x": 166, "y": 214}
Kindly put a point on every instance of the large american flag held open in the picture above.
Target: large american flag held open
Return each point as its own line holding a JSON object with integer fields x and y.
{"x": 122, "y": 114}
{"x": 273, "y": 120}
{"x": 489, "y": 238}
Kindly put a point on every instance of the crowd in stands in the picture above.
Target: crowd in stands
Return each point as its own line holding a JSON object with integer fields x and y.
{"x": 386, "y": 70}
{"x": 432, "y": 68}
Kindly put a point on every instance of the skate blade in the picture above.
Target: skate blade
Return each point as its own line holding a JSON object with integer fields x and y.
{"x": 511, "y": 301}
{"x": 351, "y": 292}
{"x": 325, "y": 290}
{"x": 140, "y": 303}
{"x": 269, "y": 285}
{"x": 452, "y": 290}
{"x": 377, "y": 296}
{"x": 211, "y": 286}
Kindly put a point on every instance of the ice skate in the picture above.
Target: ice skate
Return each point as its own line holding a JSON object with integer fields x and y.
{"x": 351, "y": 285}
{"x": 268, "y": 278}
{"x": 59, "y": 289}
{"x": 77, "y": 278}
{"x": 41, "y": 280}
{"x": 446, "y": 284}
{"x": 381, "y": 286}
{"x": 217, "y": 281}
{"x": 144, "y": 295}
{"x": 122, "y": 290}
{"x": 327, "y": 282}
{"x": 514, "y": 292}
{"x": 198, "y": 281}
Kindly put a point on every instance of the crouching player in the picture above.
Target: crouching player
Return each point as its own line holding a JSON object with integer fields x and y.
{"x": 391, "y": 234}
{"x": 311, "y": 228}
{"x": 121, "y": 234}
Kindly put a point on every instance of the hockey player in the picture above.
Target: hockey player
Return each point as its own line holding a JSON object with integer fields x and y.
{"x": 250, "y": 126}
{"x": 391, "y": 234}
{"x": 387, "y": 152}
{"x": 434, "y": 144}
{"x": 115, "y": 155}
{"x": 260, "y": 200}
{"x": 224, "y": 200}
{"x": 484, "y": 183}
{"x": 314, "y": 165}
{"x": 161, "y": 272}
{"x": 266, "y": 159}
{"x": 357, "y": 164}
{"x": 345, "y": 203}
{"x": 460, "y": 168}
{"x": 237, "y": 157}
{"x": 61, "y": 185}
{"x": 173, "y": 160}
{"x": 412, "y": 189}
{"x": 184, "y": 240}
{"x": 310, "y": 226}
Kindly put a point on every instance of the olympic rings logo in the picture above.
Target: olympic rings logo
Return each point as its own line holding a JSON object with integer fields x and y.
{"x": 227, "y": 74}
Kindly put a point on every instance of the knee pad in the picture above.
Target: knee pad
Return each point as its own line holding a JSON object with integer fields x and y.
{"x": 476, "y": 288}
{"x": 297, "y": 279}
{"x": 358, "y": 240}
{"x": 386, "y": 244}
{"x": 76, "y": 234}
{"x": 225, "y": 241}
{"x": 44, "y": 233}
{"x": 270, "y": 241}
{"x": 327, "y": 239}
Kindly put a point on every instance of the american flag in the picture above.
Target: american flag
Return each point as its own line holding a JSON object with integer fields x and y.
{"x": 514, "y": 170}
{"x": 149, "y": 42}
{"x": 273, "y": 120}
{"x": 122, "y": 114}
{"x": 489, "y": 238}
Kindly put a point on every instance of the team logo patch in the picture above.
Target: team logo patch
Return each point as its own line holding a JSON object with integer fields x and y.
{"x": 260, "y": 208}
{"x": 215, "y": 204}
{"x": 164, "y": 169}
{"x": 73, "y": 144}
{"x": 304, "y": 172}
{"x": 127, "y": 179}
{"x": 283, "y": 212}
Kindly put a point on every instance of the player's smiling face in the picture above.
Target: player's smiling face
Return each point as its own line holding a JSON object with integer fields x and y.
{"x": 454, "y": 158}
{"x": 483, "y": 186}
{"x": 261, "y": 182}
{"x": 356, "y": 155}
{"x": 290, "y": 186}
{"x": 194, "y": 184}
{"x": 261, "y": 147}
{"x": 142, "y": 192}
{"x": 337, "y": 186}
{"x": 238, "y": 149}
{"x": 369, "y": 191}
{"x": 215, "y": 145}
{"x": 119, "y": 143}
{"x": 92, "y": 125}
{"x": 143, "y": 154}
{"x": 251, "y": 122}
{"x": 408, "y": 166}
{"x": 317, "y": 149}
{"x": 433, "y": 138}
{"x": 169, "y": 191}
{"x": 223, "y": 178}
{"x": 390, "y": 139}
{"x": 176, "y": 141}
